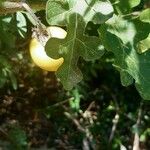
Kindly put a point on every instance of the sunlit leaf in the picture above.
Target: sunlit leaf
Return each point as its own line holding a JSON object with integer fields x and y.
{"x": 134, "y": 3}
{"x": 145, "y": 15}
{"x": 21, "y": 24}
{"x": 91, "y": 10}
{"x": 56, "y": 11}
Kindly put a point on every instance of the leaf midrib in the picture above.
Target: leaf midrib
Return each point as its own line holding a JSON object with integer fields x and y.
{"x": 73, "y": 45}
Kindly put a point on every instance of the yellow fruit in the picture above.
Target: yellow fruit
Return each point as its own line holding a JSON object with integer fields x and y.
{"x": 38, "y": 54}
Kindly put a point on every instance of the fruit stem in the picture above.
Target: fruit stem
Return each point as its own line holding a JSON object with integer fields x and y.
{"x": 30, "y": 11}
{"x": 40, "y": 31}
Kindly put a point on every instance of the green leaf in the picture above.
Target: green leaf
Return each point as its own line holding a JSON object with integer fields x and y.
{"x": 91, "y": 10}
{"x": 21, "y": 24}
{"x": 6, "y": 72}
{"x": 144, "y": 45}
{"x": 144, "y": 135}
{"x": 7, "y": 29}
{"x": 75, "y": 101}
{"x": 120, "y": 37}
{"x": 126, "y": 79}
{"x": 145, "y": 15}
{"x": 133, "y": 3}
{"x": 124, "y": 6}
{"x": 18, "y": 139}
{"x": 56, "y": 11}
{"x": 3, "y": 78}
{"x": 75, "y": 45}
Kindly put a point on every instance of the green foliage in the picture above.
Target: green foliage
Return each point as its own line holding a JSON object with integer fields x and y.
{"x": 122, "y": 7}
{"x": 75, "y": 101}
{"x": 11, "y": 26}
{"x": 91, "y": 10}
{"x": 145, "y": 15}
{"x": 75, "y": 45}
{"x": 129, "y": 34}
{"x": 6, "y": 73}
{"x": 120, "y": 37}
{"x": 18, "y": 139}
{"x": 145, "y": 134}
{"x": 144, "y": 45}
{"x": 7, "y": 30}
{"x": 106, "y": 40}
{"x": 21, "y": 24}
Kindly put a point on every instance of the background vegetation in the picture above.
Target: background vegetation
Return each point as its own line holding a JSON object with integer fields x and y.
{"x": 36, "y": 112}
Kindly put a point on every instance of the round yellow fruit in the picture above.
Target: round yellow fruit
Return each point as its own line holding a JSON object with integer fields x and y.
{"x": 38, "y": 54}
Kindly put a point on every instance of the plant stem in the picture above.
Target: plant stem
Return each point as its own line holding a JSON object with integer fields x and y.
{"x": 15, "y": 5}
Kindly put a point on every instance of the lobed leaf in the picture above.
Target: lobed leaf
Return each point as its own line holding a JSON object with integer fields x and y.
{"x": 75, "y": 45}
{"x": 120, "y": 37}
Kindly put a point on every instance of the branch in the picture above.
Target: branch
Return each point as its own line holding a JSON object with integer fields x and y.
{"x": 136, "y": 142}
{"x": 114, "y": 127}
{"x": 88, "y": 139}
{"x": 76, "y": 122}
{"x": 14, "y": 6}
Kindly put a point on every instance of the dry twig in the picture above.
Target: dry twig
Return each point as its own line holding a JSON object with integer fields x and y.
{"x": 115, "y": 122}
